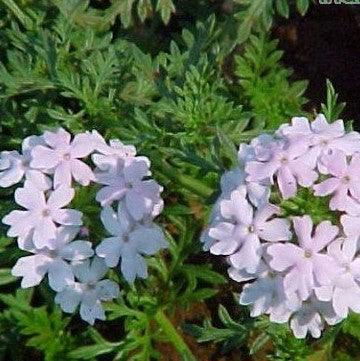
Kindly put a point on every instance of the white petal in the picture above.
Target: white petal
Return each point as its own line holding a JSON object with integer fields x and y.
{"x": 32, "y": 269}
{"x": 60, "y": 197}
{"x": 110, "y": 250}
{"x": 60, "y": 275}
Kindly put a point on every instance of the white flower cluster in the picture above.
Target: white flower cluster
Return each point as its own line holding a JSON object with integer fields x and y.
{"x": 48, "y": 167}
{"x": 294, "y": 272}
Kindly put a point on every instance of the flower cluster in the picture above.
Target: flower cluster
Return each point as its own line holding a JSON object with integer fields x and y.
{"x": 294, "y": 271}
{"x": 49, "y": 168}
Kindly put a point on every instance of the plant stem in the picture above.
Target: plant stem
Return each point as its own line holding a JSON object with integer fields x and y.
{"x": 173, "y": 336}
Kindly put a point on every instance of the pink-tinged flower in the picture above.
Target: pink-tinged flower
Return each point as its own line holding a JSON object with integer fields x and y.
{"x": 89, "y": 292}
{"x": 115, "y": 147}
{"x": 305, "y": 266}
{"x": 129, "y": 242}
{"x": 323, "y": 136}
{"x": 240, "y": 235}
{"x": 287, "y": 163}
{"x": 61, "y": 156}
{"x": 344, "y": 291}
{"x": 15, "y": 166}
{"x": 344, "y": 182}
{"x": 351, "y": 226}
{"x": 42, "y": 215}
{"x": 266, "y": 295}
{"x": 311, "y": 317}
{"x": 53, "y": 262}
{"x": 126, "y": 181}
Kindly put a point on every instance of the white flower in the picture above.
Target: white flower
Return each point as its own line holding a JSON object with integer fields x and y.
{"x": 311, "y": 316}
{"x": 125, "y": 180}
{"x": 129, "y": 241}
{"x": 42, "y": 214}
{"x": 115, "y": 147}
{"x": 89, "y": 292}
{"x": 61, "y": 156}
{"x": 52, "y": 261}
{"x": 344, "y": 291}
{"x": 14, "y": 166}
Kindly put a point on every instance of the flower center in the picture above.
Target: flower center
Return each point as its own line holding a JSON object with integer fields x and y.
{"x": 346, "y": 179}
{"x": 308, "y": 253}
{"x": 126, "y": 238}
{"x": 67, "y": 156}
{"x": 91, "y": 285}
{"x": 53, "y": 253}
{"x": 324, "y": 143}
{"x": 284, "y": 160}
{"x": 45, "y": 212}
{"x": 251, "y": 228}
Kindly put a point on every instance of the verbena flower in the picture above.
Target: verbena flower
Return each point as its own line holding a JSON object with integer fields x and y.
{"x": 294, "y": 271}
{"x": 15, "y": 166}
{"x": 42, "y": 214}
{"x": 306, "y": 265}
{"x": 343, "y": 182}
{"x": 89, "y": 292}
{"x": 62, "y": 157}
{"x": 129, "y": 242}
{"x": 125, "y": 180}
{"x": 53, "y": 262}
{"x": 46, "y": 229}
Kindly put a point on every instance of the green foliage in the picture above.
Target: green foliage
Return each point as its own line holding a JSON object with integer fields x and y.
{"x": 44, "y": 330}
{"x": 332, "y": 109}
{"x": 266, "y": 85}
{"x": 258, "y": 15}
{"x": 233, "y": 334}
{"x": 172, "y": 91}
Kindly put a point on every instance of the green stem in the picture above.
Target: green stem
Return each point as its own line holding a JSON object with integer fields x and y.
{"x": 173, "y": 336}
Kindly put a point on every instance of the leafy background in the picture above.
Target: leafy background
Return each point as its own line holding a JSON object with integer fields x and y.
{"x": 185, "y": 81}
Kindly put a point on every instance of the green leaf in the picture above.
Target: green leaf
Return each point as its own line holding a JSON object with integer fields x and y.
{"x": 302, "y": 6}
{"x": 89, "y": 352}
{"x": 282, "y": 7}
{"x": 166, "y": 8}
{"x": 352, "y": 325}
{"x": 6, "y": 276}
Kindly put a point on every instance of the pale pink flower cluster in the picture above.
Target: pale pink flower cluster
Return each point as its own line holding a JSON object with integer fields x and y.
{"x": 49, "y": 167}
{"x": 294, "y": 271}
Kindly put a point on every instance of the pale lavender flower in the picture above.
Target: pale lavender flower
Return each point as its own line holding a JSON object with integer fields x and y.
{"x": 286, "y": 162}
{"x": 53, "y": 262}
{"x": 115, "y": 147}
{"x": 343, "y": 183}
{"x": 351, "y": 226}
{"x": 15, "y": 166}
{"x": 344, "y": 290}
{"x": 42, "y": 214}
{"x": 311, "y": 318}
{"x": 322, "y": 136}
{"x": 239, "y": 236}
{"x": 126, "y": 181}
{"x": 129, "y": 242}
{"x": 306, "y": 267}
{"x": 89, "y": 292}
{"x": 266, "y": 295}
{"x": 61, "y": 156}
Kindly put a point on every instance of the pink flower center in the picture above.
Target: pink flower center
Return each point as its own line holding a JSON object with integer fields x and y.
{"x": 67, "y": 156}
{"x": 308, "y": 253}
{"x": 324, "y": 143}
{"x": 45, "y": 212}
{"x": 284, "y": 160}
{"x": 346, "y": 179}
